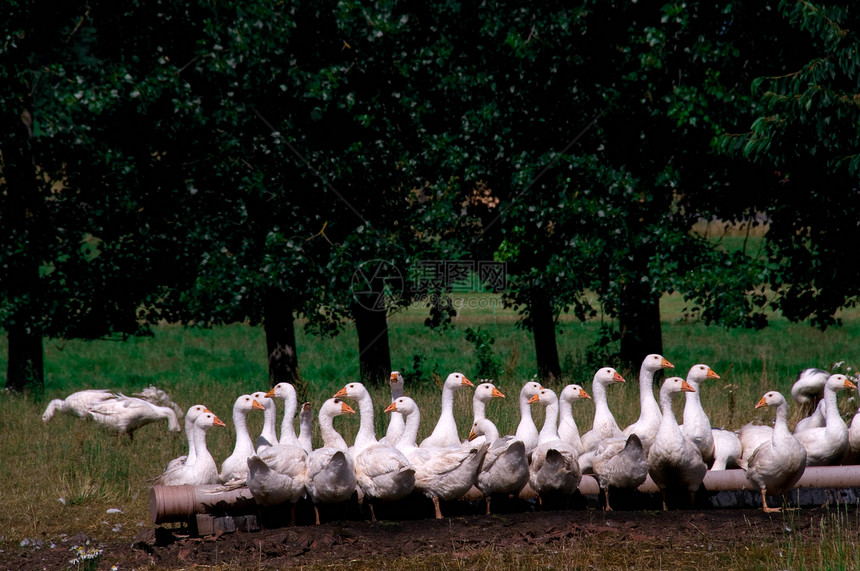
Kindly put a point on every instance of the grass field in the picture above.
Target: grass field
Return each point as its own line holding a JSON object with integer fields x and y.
{"x": 60, "y": 478}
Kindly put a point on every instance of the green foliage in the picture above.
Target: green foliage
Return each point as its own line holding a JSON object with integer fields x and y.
{"x": 489, "y": 366}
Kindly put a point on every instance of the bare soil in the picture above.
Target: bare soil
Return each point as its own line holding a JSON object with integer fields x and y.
{"x": 703, "y": 539}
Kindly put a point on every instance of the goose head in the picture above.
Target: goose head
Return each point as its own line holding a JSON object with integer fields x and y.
{"x": 545, "y": 397}
{"x": 207, "y": 420}
{"x": 485, "y": 392}
{"x": 403, "y": 405}
{"x": 529, "y": 390}
{"x": 573, "y": 392}
{"x": 355, "y": 391}
{"x": 674, "y": 385}
{"x": 700, "y": 372}
{"x": 484, "y": 427}
{"x": 771, "y": 398}
{"x": 335, "y": 407}
{"x": 456, "y": 381}
{"x": 839, "y": 382}
{"x": 283, "y": 391}
{"x": 606, "y": 376}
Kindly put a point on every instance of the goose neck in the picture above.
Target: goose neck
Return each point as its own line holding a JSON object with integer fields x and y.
{"x": 409, "y": 438}
{"x": 549, "y": 431}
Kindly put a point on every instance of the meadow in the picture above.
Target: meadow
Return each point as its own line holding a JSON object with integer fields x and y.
{"x": 61, "y": 478}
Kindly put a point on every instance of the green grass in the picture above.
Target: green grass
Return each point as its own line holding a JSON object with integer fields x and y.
{"x": 63, "y": 476}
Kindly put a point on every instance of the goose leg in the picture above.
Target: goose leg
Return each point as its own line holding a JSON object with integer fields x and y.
{"x": 606, "y": 492}
{"x": 663, "y": 494}
{"x": 438, "y": 509}
{"x": 317, "y": 514}
{"x": 372, "y": 514}
{"x": 764, "y": 507}
{"x": 487, "y": 497}
{"x": 292, "y": 515}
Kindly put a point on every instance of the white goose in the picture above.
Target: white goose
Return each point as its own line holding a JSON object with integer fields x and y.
{"x": 287, "y": 393}
{"x": 395, "y": 422}
{"x": 674, "y": 461}
{"x": 527, "y": 431}
{"x": 235, "y": 466}
{"x": 484, "y": 393}
{"x": 604, "y": 425}
{"x": 776, "y": 465}
{"x": 816, "y": 419}
{"x": 697, "y": 426}
{"x": 306, "y": 420}
{"x": 505, "y": 469}
{"x": 554, "y": 467}
{"x": 827, "y": 445}
{"x": 567, "y": 428}
{"x": 441, "y": 473}
{"x": 382, "y": 471}
{"x": 201, "y": 469}
{"x": 126, "y": 414}
{"x": 268, "y": 436}
{"x": 276, "y": 475}
{"x": 619, "y": 463}
{"x": 809, "y": 385}
{"x": 445, "y": 433}
{"x": 190, "y": 417}
{"x": 649, "y": 415}
{"x": 330, "y": 475}
{"x": 77, "y": 404}
{"x": 727, "y": 449}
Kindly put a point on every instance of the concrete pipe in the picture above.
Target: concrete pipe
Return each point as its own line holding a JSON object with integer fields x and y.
{"x": 182, "y": 503}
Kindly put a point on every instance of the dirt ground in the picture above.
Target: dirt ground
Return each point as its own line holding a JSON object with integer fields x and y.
{"x": 647, "y": 539}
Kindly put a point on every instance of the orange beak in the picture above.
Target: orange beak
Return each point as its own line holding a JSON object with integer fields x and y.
{"x": 687, "y": 387}
{"x": 340, "y": 393}
{"x": 391, "y": 408}
{"x": 534, "y": 399}
{"x": 205, "y": 410}
{"x": 666, "y": 364}
{"x": 849, "y": 384}
{"x": 472, "y": 435}
{"x": 255, "y": 404}
{"x": 761, "y": 403}
{"x": 711, "y": 374}
{"x": 497, "y": 393}
{"x": 271, "y": 393}
{"x": 218, "y": 422}
{"x": 466, "y": 382}
{"x": 619, "y": 379}
{"x": 583, "y": 394}
{"x": 346, "y": 409}
{"x": 393, "y": 377}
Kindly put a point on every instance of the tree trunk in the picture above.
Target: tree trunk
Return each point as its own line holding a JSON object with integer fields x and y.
{"x": 543, "y": 331}
{"x": 374, "y": 359}
{"x": 639, "y": 321}
{"x": 25, "y": 368}
{"x": 280, "y": 338}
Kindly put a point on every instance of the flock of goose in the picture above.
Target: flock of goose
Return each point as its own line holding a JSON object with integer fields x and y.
{"x": 282, "y": 467}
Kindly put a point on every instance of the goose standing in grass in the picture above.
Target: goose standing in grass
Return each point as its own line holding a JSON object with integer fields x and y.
{"x": 201, "y": 469}
{"x": 441, "y": 473}
{"x": 445, "y": 433}
{"x": 697, "y": 426}
{"x": 395, "y": 421}
{"x": 604, "y": 425}
{"x": 505, "y": 469}
{"x": 268, "y": 436}
{"x": 828, "y": 444}
{"x": 776, "y": 465}
{"x": 235, "y": 467}
{"x": 330, "y": 477}
{"x": 554, "y": 467}
{"x": 649, "y": 411}
{"x": 190, "y": 417}
{"x": 527, "y": 431}
{"x": 674, "y": 461}
{"x": 287, "y": 393}
{"x": 567, "y": 428}
{"x": 382, "y": 471}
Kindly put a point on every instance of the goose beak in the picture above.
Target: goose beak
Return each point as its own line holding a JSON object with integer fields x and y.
{"x": 711, "y": 374}
{"x": 466, "y": 382}
{"x": 583, "y": 394}
{"x": 218, "y": 422}
{"x": 346, "y": 409}
{"x": 391, "y": 408}
{"x": 687, "y": 387}
{"x": 666, "y": 364}
{"x": 761, "y": 403}
{"x": 472, "y": 435}
{"x": 205, "y": 410}
{"x": 340, "y": 393}
{"x": 271, "y": 393}
{"x": 306, "y": 406}
{"x": 534, "y": 399}
{"x": 849, "y": 384}
{"x": 497, "y": 393}
{"x": 616, "y": 378}
{"x": 257, "y": 405}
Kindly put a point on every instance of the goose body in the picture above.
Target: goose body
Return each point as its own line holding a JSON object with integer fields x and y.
{"x": 809, "y": 385}
{"x": 828, "y": 444}
{"x": 445, "y": 433}
{"x": 527, "y": 431}
{"x": 604, "y": 425}
{"x": 200, "y": 469}
{"x": 277, "y": 475}
{"x": 567, "y": 427}
{"x": 554, "y": 467}
{"x": 235, "y": 466}
{"x": 649, "y": 411}
{"x": 505, "y": 469}
{"x": 673, "y": 460}
{"x": 441, "y": 473}
{"x": 727, "y": 449}
{"x": 190, "y": 417}
{"x": 126, "y": 414}
{"x": 697, "y": 426}
{"x": 330, "y": 476}
{"x": 776, "y": 465}
{"x": 619, "y": 463}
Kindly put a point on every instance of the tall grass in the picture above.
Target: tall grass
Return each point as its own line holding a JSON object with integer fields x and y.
{"x": 61, "y": 477}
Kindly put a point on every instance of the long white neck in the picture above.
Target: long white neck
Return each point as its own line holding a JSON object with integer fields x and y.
{"x": 692, "y": 403}
{"x": 202, "y": 454}
{"x": 601, "y": 407}
{"x": 243, "y": 438}
{"x": 491, "y": 432}
{"x": 409, "y": 437}
{"x": 447, "y": 401}
{"x": 288, "y": 428}
{"x": 305, "y": 431}
{"x": 479, "y": 408}
{"x": 668, "y": 422}
{"x": 189, "y": 434}
{"x": 366, "y": 434}
{"x": 780, "y": 424}
{"x": 647, "y": 402}
{"x": 549, "y": 431}
{"x": 269, "y": 435}
{"x": 834, "y": 421}
{"x": 565, "y": 417}
{"x": 331, "y": 437}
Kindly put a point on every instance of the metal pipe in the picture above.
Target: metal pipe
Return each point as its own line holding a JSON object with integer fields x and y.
{"x": 182, "y": 503}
